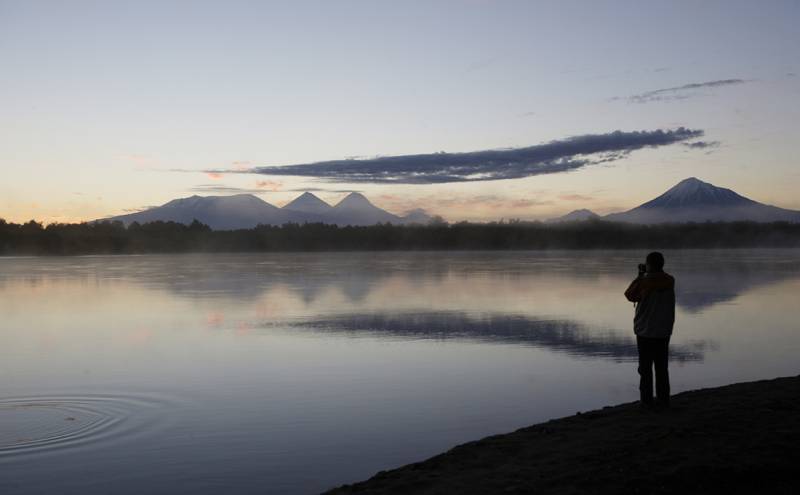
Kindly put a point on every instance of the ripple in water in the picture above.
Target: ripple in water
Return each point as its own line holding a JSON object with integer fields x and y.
{"x": 37, "y": 424}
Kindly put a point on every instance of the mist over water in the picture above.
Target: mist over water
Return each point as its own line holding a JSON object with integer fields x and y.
{"x": 292, "y": 373}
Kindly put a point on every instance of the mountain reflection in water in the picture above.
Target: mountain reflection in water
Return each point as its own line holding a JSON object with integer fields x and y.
{"x": 249, "y": 368}
{"x": 704, "y": 278}
{"x": 566, "y": 336}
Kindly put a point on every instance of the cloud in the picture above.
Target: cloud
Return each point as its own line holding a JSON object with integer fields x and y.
{"x": 214, "y": 175}
{"x": 261, "y": 188}
{"x": 137, "y": 210}
{"x": 222, "y": 189}
{"x": 680, "y": 92}
{"x": 241, "y": 165}
{"x": 323, "y": 190}
{"x": 269, "y": 185}
{"x": 434, "y": 168}
{"x": 702, "y": 145}
{"x": 485, "y": 205}
{"x": 527, "y": 203}
{"x": 575, "y": 197}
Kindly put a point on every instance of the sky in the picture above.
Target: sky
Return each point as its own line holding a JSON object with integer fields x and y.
{"x": 471, "y": 109}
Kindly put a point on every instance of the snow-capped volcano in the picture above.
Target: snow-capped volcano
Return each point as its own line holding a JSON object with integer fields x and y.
{"x": 693, "y": 200}
{"x": 693, "y": 192}
{"x": 308, "y": 203}
{"x": 354, "y": 201}
{"x": 356, "y": 209}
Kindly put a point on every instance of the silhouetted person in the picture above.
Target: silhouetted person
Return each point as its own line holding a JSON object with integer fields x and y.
{"x": 653, "y": 291}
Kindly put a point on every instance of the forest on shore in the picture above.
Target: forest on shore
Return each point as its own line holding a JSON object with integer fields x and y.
{"x": 34, "y": 238}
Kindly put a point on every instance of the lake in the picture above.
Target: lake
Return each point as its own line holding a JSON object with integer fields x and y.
{"x": 293, "y": 373}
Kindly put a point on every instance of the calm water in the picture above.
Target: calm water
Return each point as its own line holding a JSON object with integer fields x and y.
{"x": 292, "y": 373}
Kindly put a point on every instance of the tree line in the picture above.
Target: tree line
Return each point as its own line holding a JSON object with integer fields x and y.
{"x": 34, "y": 238}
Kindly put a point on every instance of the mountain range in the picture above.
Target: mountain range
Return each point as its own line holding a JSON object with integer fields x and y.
{"x": 692, "y": 200}
{"x": 244, "y": 211}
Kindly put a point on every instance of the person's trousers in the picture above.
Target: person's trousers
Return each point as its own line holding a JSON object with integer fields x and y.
{"x": 653, "y": 353}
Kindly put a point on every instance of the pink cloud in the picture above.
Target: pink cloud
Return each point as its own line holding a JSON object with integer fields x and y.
{"x": 575, "y": 197}
{"x": 215, "y": 319}
{"x": 140, "y": 162}
{"x": 269, "y": 185}
{"x": 527, "y": 203}
{"x": 214, "y": 175}
{"x": 138, "y": 159}
{"x": 243, "y": 328}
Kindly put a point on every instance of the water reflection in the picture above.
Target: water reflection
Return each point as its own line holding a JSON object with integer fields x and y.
{"x": 347, "y": 362}
{"x": 565, "y": 336}
{"x": 705, "y": 279}
{"x": 700, "y": 290}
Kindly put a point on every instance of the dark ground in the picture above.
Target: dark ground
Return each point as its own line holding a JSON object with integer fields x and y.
{"x": 741, "y": 438}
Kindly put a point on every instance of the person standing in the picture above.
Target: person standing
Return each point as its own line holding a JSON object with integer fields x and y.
{"x": 653, "y": 292}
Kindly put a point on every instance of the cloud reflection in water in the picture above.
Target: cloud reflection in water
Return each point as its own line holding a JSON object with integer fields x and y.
{"x": 570, "y": 337}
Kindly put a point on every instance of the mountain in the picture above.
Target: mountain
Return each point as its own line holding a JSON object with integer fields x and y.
{"x": 308, "y": 203}
{"x": 576, "y": 216}
{"x": 416, "y": 216}
{"x": 355, "y": 209}
{"x": 240, "y": 211}
{"x": 693, "y": 200}
{"x": 245, "y": 211}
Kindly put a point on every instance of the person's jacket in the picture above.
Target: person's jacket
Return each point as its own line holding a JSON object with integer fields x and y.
{"x": 654, "y": 295}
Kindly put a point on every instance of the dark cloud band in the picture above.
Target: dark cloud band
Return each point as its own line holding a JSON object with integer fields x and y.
{"x": 549, "y": 158}
{"x": 681, "y": 92}
{"x": 702, "y": 145}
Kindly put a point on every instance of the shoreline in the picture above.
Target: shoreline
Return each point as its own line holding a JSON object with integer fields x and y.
{"x": 637, "y": 250}
{"x": 739, "y": 438}
{"x": 171, "y": 237}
